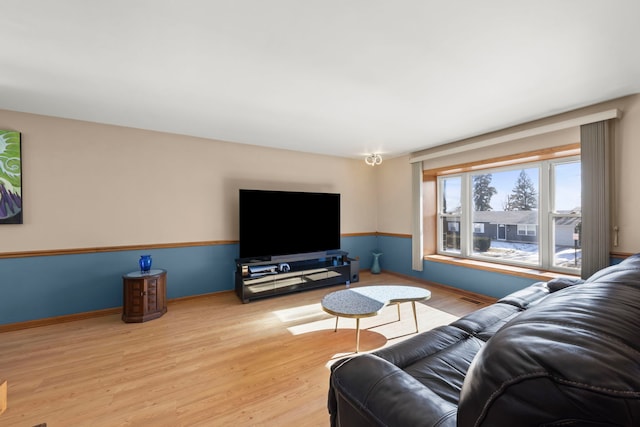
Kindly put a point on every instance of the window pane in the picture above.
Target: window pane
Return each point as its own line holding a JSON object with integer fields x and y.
{"x": 568, "y": 188}
{"x": 567, "y": 236}
{"x": 451, "y": 195}
{"x": 451, "y": 234}
{"x": 505, "y": 203}
{"x": 450, "y": 210}
{"x": 567, "y": 229}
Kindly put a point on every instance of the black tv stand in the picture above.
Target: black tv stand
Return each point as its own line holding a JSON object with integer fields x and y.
{"x": 260, "y": 278}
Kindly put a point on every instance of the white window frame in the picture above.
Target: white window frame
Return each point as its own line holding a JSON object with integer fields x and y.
{"x": 546, "y": 214}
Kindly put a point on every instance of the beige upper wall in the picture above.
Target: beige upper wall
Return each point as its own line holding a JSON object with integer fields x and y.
{"x": 393, "y": 182}
{"x": 627, "y": 175}
{"x": 93, "y": 185}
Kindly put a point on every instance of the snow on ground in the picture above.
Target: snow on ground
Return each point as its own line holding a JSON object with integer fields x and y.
{"x": 528, "y": 253}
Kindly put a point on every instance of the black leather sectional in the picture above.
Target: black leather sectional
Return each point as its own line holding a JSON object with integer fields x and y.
{"x": 562, "y": 353}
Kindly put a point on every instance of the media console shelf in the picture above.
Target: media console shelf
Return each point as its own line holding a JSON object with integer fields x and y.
{"x": 264, "y": 278}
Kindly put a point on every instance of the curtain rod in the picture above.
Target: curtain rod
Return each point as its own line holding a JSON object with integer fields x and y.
{"x": 539, "y": 130}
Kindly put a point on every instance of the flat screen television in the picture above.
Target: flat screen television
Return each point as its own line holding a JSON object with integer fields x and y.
{"x": 277, "y": 223}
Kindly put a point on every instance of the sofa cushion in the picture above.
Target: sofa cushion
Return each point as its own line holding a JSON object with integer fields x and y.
{"x": 574, "y": 360}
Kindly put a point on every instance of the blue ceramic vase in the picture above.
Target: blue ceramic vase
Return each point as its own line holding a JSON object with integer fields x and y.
{"x": 145, "y": 263}
{"x": 375, "y": 267}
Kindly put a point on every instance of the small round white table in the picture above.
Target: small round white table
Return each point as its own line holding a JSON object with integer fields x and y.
{"x": 368, "y": 301}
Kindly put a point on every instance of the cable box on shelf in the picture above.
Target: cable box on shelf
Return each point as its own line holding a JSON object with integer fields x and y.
{"x": 260, "y": 270}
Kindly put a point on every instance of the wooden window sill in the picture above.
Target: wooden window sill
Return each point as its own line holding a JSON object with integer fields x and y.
{"x": 529, "y": 273}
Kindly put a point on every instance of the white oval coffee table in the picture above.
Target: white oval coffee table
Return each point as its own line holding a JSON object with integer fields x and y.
{"x": 368, "y": 301}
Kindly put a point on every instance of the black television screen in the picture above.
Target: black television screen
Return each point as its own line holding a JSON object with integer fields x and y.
{"x": 275, "y": 223}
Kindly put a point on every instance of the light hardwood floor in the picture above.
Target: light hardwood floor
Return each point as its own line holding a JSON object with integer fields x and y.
{"x": 209, "y": 361}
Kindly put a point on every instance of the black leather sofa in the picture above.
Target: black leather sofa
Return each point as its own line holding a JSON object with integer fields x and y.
{"x": 562, "y": 353}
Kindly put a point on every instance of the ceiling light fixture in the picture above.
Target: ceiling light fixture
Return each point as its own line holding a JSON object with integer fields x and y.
{"x": 373, "y": 159}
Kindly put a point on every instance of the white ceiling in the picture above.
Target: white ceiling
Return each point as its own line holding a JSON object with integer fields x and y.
{"x": 336, "y": 77}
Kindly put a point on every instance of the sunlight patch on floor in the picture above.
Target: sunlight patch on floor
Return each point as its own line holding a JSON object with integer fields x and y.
{"x": 310, "y": 322}
{"x": 311, "y": 318}
{"x": 299, "y": 313}
{"x": 319, "y": 325}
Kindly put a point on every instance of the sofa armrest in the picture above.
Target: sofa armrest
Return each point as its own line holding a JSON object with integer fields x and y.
{"x": 423, "y": 345}
{"x": 527, "y": 297}
{"x": 367, "y": 390}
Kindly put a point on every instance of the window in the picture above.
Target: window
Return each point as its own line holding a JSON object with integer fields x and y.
{"x": 523, "y": 214}
{"x": 527, "y": 229}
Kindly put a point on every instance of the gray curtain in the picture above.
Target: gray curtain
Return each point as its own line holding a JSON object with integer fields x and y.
{"x": 596, "y": 195}
{"x": 416, "y": 227}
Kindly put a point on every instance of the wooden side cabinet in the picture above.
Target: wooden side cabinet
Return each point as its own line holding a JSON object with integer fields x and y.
{"x": 144, "y": 295}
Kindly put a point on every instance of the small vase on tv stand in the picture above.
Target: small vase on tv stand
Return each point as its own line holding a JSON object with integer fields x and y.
{"x": 145, "y": 263}
{"x": 375, "y": 266}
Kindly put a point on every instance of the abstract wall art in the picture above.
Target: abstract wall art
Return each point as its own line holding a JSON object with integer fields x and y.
{"x": 10, "y": 178}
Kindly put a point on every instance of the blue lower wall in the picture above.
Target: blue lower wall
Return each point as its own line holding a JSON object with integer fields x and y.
{"x": 41, "y": 287}
{"x": 34, "y": 288}
{"x": 48, "y": 286}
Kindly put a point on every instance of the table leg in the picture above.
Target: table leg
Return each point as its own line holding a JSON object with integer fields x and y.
{"x": 336, "y": 328}
{"x": 398, "y": 311}
{"x": 415, "y": 316}
{"x": 357, "y": 334}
